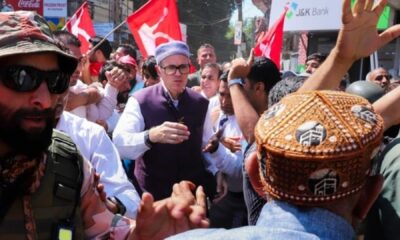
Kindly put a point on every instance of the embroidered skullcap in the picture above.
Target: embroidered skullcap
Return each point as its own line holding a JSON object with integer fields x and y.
{"x": 317, "y": 146}
{"x": 171, "y": 48}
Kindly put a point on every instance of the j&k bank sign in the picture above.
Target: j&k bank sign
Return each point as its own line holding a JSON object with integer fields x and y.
{"x": 312, "y": 15}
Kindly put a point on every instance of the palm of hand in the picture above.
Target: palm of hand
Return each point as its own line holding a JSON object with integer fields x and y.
{"x": 359, "y": 36}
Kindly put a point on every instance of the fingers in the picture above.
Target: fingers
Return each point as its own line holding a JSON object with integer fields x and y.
{"x": 116, "y": 76}
{"x": 199, "y": 210}
{"x": 146, "y": 205}
{"x": 182, "y": 198}
{"x": 359, "y": 7}
{"x": 378, "y": 9}
{"x": 346, "y": 11}
{"x": 250, "y": 60}
{"x": 388, "y": 35}
{"x": 175, "y": 125}
{"x": 368, "y": 5}
{"x": 170, "y": 132}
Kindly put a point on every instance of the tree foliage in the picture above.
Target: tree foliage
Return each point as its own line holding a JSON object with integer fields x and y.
{"x": 207, "y": 22}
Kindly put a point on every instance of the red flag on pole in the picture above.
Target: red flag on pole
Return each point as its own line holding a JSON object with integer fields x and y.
{"x": 81, "y": 25}
{"x": 154, "y": 23}
{"x": 270, "y": 44}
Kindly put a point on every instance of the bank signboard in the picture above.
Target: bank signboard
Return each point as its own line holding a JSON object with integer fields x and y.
{"x": 311, "y": 15}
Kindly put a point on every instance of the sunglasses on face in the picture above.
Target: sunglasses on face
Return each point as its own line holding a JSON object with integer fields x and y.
{"x": 380, "y": 77}
{"x": 26, "y": 79}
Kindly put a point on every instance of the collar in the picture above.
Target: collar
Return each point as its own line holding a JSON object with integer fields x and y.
{"x": 317, "y": 221}
{"x": 174, "y": 101}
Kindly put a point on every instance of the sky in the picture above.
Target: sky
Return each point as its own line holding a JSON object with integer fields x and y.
{"x": 249, "y": 11}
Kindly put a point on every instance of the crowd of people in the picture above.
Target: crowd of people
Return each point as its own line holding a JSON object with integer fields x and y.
{"x": 105, "y": 144}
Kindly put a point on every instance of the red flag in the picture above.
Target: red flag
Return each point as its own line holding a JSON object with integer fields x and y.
{"x": 81, "y": 25}
{"x": 154, "y": 23}
{"x": 270, "y": 44}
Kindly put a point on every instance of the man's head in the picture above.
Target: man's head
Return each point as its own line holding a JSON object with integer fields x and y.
{"x": 123, "y": 50}
{"x": 125, "y": 85}
{"x": 173, "y": 66}
{"x": 225, "y": 99}
{"x": 367, "y": 90}
{"x": 380, "y": 76}
{"x": 285, "y": 87}
{"x": 314, "y": 61}
{"x": 74, "y": 46}
{"x": 149, "y": 72}
{"x": 262, "y": 77}
{"x": 206, "y": 54}
{"x": 130, "y": 64}
{"x": 209, "y": 79}
{"x": 34, "y": 72}
{"x": 315, "y": 149}
{"x": 102, "y": 49}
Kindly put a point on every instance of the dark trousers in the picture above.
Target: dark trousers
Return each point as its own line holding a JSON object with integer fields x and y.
{"x": 229, "y": 212}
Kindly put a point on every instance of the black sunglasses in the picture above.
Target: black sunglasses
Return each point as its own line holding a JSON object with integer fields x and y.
{"x": 26, "y": 79}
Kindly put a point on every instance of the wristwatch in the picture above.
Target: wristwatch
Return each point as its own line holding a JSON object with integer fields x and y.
{"x": 147, "y": 141}
{"x": 235, "y": 81}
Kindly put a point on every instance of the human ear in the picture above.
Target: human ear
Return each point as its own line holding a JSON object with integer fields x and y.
{"x": 252, "y": 169}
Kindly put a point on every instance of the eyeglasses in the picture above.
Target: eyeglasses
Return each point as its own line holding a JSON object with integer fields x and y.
{"x": 171, "y": 69}
{"x": 26, "y": 79}
{"x": 380, "y": 77}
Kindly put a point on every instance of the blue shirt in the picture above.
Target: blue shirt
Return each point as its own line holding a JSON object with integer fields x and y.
{"x": 283, "y": 221}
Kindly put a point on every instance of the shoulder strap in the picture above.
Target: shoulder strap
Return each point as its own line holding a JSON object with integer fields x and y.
{"x": 67, "y": 168}
{"x": 381, "y": 155}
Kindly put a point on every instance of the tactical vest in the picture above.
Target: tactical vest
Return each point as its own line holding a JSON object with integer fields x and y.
{"x": 56, "y": 203}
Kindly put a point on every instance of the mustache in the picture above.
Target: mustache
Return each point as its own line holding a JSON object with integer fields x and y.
{"x": 34, "y": 112}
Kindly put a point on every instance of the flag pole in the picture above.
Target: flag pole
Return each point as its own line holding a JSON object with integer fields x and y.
{"x": 106, "y": 36}
{"x": 81, "y": 6}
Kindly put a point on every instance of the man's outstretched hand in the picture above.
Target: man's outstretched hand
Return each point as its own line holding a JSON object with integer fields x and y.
{"x": 178, "y": 213}
{"x": 359, "y": 37}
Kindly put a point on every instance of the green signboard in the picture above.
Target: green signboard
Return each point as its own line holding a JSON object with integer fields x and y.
{"x": 383, "y": 22}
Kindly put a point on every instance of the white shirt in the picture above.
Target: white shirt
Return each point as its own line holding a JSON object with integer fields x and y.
{"x": 94, "y": 144}
{"x": 226, "y": 161}
{"x": 101, "y": 110}
{"x": 128, "y": 135}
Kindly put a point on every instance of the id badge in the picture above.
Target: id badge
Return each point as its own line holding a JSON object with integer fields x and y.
{"x": 64, "y": 232}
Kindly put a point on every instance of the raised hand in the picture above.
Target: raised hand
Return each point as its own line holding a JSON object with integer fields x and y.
{"x": 181, "y": 212}
{"x": 240, "y": 67}
{"x": 359, "y": 36}
{"x": 232, "y": 143}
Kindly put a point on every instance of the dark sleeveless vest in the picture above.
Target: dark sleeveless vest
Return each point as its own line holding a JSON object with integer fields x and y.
{"x": 166, "y": 164}
{"x": 57, "y": 199}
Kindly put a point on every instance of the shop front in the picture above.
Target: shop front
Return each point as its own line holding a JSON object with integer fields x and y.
{"x": 314, "y": 26}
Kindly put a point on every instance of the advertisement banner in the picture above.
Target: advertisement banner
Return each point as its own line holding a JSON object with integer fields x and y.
{"x": 237, "y": 40}
{"x": 15, "y": 5}
{"x": 55, "y": 23}
{"x": 311, "y": 15}
{"x": 55, "y": 8}
{"x": 308, "y": 15}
